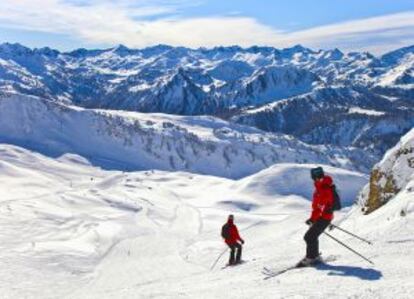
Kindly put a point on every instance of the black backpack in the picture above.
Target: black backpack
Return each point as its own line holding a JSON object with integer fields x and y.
{"x": 336, "y": 199}
{"x": 225, "y": 231}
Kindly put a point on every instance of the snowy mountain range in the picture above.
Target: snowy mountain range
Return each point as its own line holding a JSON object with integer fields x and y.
{"x": 320, "y": 97}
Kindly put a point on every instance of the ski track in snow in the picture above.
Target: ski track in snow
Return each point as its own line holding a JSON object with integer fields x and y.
{"x": 72, "y": 230}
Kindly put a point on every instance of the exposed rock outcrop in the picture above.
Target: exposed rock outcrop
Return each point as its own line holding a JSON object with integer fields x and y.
{"x": 391, "y": 175}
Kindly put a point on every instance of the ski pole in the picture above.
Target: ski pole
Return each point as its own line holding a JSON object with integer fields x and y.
{"x": 349, "y": 233}
{"x": 221, "y": 254}
{"x": 349, "y": 248}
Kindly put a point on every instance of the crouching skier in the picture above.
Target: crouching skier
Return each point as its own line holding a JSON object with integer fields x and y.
{"x": 321, "y": 217}
{"x": 231, "y": 236}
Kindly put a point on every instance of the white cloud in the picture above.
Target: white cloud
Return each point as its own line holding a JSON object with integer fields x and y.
{"x": 143, "y": 23}
{"x": 377, "y": 34}
{"x": 103, "y": 22}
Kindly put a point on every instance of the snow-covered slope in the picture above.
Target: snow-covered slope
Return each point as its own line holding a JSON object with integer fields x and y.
{"x": 283, "y": 179}
{"x": 267, "y": 84}
{"x": 131, "y": 140}
{"x": 397, "y": 78}
{"x": 72, "y": 230}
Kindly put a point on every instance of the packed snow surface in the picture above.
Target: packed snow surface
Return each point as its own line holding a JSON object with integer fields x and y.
{"x": 73, "y": 230}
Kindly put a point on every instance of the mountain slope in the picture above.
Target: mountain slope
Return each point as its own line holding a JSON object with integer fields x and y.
{"x": 340, "y": 116}
{"x": 130, "y": 140}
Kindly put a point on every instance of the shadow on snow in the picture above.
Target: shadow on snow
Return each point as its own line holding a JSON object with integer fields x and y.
{"x": 358, "y": 272}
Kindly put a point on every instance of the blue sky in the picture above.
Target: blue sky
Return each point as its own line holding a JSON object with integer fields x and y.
{"x": 377, "y": 26}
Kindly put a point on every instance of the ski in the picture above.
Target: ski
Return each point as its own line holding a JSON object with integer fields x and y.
{"x": 270, "y": 273}
{"x": 235, "y": 265}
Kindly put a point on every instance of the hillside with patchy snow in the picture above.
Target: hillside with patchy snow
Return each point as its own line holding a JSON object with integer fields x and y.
{"x": 336, "y": 115}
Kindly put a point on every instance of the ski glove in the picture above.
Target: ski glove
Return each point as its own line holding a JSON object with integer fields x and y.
{"x": 309, "y": 222}
{"x": 242, "y": 241}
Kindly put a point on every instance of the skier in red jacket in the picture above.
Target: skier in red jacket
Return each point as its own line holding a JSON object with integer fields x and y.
{"x": 321, "y": 217}
{"x": 231, "y": 236}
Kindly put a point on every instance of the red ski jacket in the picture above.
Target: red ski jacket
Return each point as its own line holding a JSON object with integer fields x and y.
{"x": 323, "y": 199}
{"x": 233, "y": 234}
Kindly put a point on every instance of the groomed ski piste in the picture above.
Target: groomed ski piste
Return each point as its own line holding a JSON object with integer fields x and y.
{"x": 73, "y": 230}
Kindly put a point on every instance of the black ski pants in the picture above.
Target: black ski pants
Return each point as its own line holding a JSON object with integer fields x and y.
{"x": 312, "y": 235}
{"x": 235, "y": 249}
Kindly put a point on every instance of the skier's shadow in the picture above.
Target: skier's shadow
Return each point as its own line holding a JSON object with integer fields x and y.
{"x": 361, "y": 273}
